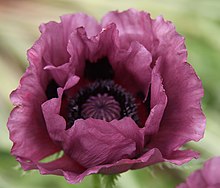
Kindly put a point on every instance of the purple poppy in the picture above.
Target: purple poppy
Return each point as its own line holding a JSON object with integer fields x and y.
{"x": 113, "y": 96}
{"x": 207, "y": 177}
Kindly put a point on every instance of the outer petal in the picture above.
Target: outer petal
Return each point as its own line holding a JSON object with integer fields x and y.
{"x": 51, "y": 48}
{"x": 52, "y": 44}
{"x": 183, "y": 119}
{"x": 158, "y": 36}
{"x": 129, "y": 129}
{"x": 170, "y": 45}
{"x": 180, "y": 157}
{"x": 56, "y": 124}
{"x": 55, "y": 36}
{"x": 150, "y": 157}
{"x": 26, "y": 124}
{"x": 133, "y": 26}
{"x": 99, "y": 142}
{"x": 158, "y": 102}
{"x": 72, "y": 21}
{"x": 56, "y": 167}
{"x": 133, "y": 59}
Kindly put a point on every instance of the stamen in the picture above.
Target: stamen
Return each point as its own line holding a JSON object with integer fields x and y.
{"x": 102, "y": 100}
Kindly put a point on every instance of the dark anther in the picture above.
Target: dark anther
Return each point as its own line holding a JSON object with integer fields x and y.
{"x": 51, "y": 91}
{"x": 100, "y": 70}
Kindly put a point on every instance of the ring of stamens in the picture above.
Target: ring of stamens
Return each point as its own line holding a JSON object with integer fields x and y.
{"x": 103, "y": 100}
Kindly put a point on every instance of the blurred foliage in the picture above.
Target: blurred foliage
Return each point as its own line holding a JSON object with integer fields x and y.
{"x": 197, "y": 20}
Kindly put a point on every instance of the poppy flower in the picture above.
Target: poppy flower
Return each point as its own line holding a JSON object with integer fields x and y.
{"x": 112, "y": 96}
{"x": 208, "y": 176}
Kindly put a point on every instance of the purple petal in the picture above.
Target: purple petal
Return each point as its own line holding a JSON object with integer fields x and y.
{"x": 132, "y": 25}
{"x": 123, "y": 165}
{"x": 134, "y": 65}
{"x": 55, "y": 36}
{"x": 130, "y": 129}
{"x": 211, "y": 171}
{"x": 72, "y": 21}
{"x": 92, "y": 49}
{"x": 102, "y": 134}
{"x": 55, "y": 123}
{"x": 180, "y": 157}
{"x": 195, "y": 180}
{"x": 50, "y": 54}
{"x": 26, "y": 123}
{"x": 183, "y": 119}
{"x": 55, "y": 167}
{"x": 98, "y": 142}
{"x": 208, "y": 176}
{"x": 158, "y": 103}
{"x": 51, "y": 48}
{"x": 60, "y": 74}
{"x": 142, "y": 52}
{"x": 170, "y": 45}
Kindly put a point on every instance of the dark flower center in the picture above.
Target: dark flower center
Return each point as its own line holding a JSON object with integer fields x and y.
{"x": 103, "y": 107}
{"x": 104, "y": 100}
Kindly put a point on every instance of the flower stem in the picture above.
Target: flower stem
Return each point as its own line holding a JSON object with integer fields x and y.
{"x": 96, "y": 181}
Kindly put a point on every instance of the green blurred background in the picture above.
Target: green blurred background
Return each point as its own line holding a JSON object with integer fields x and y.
{"x": 197, "y": 20}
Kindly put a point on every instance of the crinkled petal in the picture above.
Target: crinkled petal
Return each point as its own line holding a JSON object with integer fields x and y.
{"x": 92, "y": 49}
{"x": 133, "y": 25}
{"x": 142, "y": 52}
{"x": 26, "y": 123}
{"x": 73, "y": 21}
{"x": 56, "y": 124}
{"x": 130, "y": 129}
{"x": 51, "y": 48}
{"x": 133, "y": 63}
{"x": 59, "y": 74}
{"x": 74, "y": 173}
{"x": 56, "y": 36}
{"x": 158, "y": 102}
{"x": 183, "y": 119}
{"x": 123, "y": 165}
{"x": 56, "y": 167}
{"x": 180, "y": 157}
{"x": 170, "y": 45}
{"x": 99, "y": 142}
{"x": 132, "y": 68}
